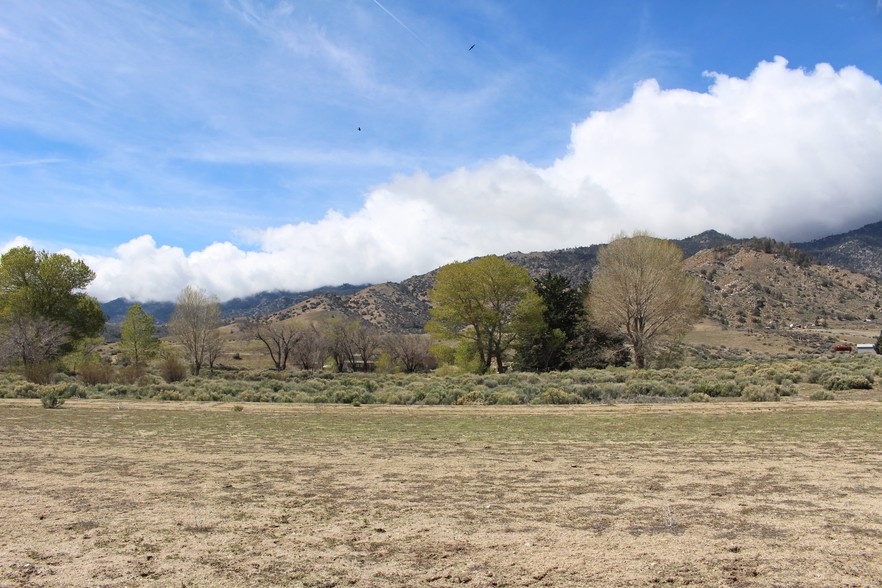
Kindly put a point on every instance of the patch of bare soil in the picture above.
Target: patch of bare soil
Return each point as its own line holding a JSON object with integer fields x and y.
{"x": 100, "y": 494}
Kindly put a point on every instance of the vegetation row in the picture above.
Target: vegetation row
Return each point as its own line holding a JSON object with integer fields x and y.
{"x": 816, "y": 379}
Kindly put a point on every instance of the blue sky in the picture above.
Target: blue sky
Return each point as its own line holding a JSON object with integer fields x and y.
{"x": 218, "y": 142}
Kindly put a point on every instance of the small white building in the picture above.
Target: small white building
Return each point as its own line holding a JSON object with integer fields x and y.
{"x": 865, "y": 348}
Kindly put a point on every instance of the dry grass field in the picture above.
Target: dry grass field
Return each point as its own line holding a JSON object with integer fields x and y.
{"x": 112, "y": 494}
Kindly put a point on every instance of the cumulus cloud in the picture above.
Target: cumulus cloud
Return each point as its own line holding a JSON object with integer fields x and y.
{"x": 786, "y": 153}
{"x": 16, "y": 242}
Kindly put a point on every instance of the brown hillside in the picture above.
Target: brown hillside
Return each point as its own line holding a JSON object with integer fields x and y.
{"x": 315, "y": 308}
{"x": 750, "y": 288}
{"x": 389, "y": 306}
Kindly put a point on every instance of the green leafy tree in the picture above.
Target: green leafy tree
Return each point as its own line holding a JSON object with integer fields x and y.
{"x": 44, "y": 292}
{"x": 138, "y": 340}
{"x": 488, "y": 302}
{"x": 641, "y": 290}
{"x": 194, "y": 323}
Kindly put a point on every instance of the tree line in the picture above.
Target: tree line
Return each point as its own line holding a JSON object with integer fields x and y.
{"x": 639, "y": 300}
{"x": 486, "y": 314}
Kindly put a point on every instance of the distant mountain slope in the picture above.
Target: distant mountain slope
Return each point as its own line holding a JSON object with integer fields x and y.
{"x": 705, "y": 240}
{"x": 260, "y": 304}
{"x": 389, "y": 306}
{"x": 752, "y": 288}
{"x": 859, "y": 250}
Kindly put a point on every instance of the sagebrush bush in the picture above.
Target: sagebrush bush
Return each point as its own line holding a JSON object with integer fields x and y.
{"x": 822, "y": 395}
{"x": 26, "y": 390}
{"x": 698, "y": 397}
{"x": 718, "y": 388}
{"x": 765, "y": 393}
{"x": 839, "y": 381}
{"x": 475, "y": 396}
{"x": 556, "y": 396}
{"x": 51, "y": 399}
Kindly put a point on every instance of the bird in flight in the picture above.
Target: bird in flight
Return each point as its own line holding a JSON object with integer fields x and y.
{"x": 473, "y": 46}
{"x": 359, "y": 128}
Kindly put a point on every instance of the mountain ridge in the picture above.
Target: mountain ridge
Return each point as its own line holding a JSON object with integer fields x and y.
{"x": 404, "y": 306}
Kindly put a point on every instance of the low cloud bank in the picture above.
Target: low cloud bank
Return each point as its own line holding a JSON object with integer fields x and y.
{"x": 786, "y": 153}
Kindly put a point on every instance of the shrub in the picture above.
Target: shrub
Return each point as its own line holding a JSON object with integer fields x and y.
{"x": 95, "y": 372}
{"x": 698, "y": 397}
{"x": 347, "y": 396}
{"x": 847, "y": 382}
{"x": 766, "y": 393}
{"x": 131, "y": 374}
{"x": 51, "y": 399}
{"x": 472, "y": 397}
{"x": 714, "y": 388}
{"x": 172, "y": 369}
{"x": 71, "y": 390}
{"x": 39, "y": 373}
{"x": 507, "y": 397}
{"x": 589, "y": 392}
{"x": 169, "y": 395}
{"x": 26, "y": 390}
{"x": 556, "y": 396}
{"x": 822, "y": 395}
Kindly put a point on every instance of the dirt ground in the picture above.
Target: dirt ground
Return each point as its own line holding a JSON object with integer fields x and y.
{"x": 112, "y": 494}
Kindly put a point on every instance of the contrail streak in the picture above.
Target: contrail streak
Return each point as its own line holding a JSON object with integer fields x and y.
{"x": 386, "y": 10}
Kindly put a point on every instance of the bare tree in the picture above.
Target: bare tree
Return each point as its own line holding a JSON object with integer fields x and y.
{"x": 641, "y": 289}
{"x": 351, "y": 343}
{"x": 410, "y": 350}
{"x": 193, "y": 324}
{"x": 338, "y": 333}
{"x": 365, "y": 341}
{"x": 311, "y": 352}
{"x": 31, "y": 339}
{"x": 214, "y": 346}
{"x": 280, "y": 338}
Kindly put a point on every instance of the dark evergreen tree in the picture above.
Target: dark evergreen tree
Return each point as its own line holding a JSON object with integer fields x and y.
{"x": 593, "y": 348}
{"x": 564, "y": 312}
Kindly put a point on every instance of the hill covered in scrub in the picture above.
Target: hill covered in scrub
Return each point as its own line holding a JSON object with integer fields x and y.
{"x": 751, "y": 288}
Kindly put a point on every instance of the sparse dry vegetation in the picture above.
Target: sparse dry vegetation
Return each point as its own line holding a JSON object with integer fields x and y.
{"x": 187, "y": 494}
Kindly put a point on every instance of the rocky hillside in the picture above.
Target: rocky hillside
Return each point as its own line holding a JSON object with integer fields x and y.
{"x": 389, "y": 306}
{"x": 859, "y": 250}
{"x": 751, "y": 288}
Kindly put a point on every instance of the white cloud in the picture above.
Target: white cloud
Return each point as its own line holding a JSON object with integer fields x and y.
{"x": 785, "y": 153}
{"x": 16, "y": 242}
